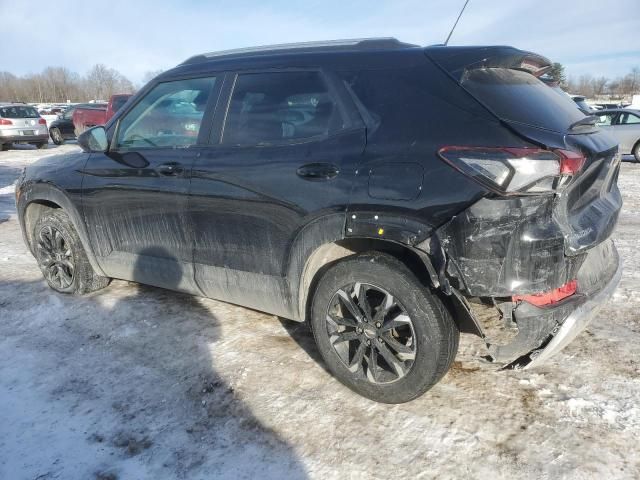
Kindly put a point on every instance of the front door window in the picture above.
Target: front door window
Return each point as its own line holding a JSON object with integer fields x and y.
{"x": 170, "y": 115}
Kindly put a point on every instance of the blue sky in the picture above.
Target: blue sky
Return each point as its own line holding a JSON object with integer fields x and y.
{"x": 588, "y": 36}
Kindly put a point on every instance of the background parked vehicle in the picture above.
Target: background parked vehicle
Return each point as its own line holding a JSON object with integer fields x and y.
{"x": 62, "y": 128}
{"x": 97, "y": 114}
{"x": 609, "y": 106}
{"x": 20, "y": 124}
{"x": 624, "y": 125}
{"x": 582, "y": 104}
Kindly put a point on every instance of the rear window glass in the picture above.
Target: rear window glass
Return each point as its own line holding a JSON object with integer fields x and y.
{"x": 582, "y": 105}
{"x": 520, "y": 97}
{"x": 118, "y": 102}
{"x": 18, "y": 111}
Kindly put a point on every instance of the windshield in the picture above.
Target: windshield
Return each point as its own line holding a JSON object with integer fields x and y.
{"x": 18, "y": 111}
{"x": 520, "y": 97}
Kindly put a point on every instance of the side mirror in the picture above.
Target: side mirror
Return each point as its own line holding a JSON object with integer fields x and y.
{"x": 94, "y": 140}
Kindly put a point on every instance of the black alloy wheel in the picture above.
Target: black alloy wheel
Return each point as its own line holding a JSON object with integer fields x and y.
{"x": 380, "y": 331}
{"x": 56, "y": 257}
{"x": 371, "y": 332}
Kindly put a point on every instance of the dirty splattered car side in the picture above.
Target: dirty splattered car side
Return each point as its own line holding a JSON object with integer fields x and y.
{"x": 389, "y": 194}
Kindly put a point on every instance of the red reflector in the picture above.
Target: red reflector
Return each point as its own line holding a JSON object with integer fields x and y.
{"x": 4, "y": 121}
{"x": 42, "y": 121}
{"x": 570, "y": 162}
{"x": 553, "y": 296}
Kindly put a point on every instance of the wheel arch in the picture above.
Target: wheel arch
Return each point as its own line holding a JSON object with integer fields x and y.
{"x": 36, "y": 199}
{"x": 322, "y": 243}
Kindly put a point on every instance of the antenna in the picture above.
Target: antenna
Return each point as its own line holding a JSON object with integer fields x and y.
{"x": 454, "y": 25}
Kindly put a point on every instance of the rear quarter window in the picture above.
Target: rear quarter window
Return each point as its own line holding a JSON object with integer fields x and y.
{"x": 520, "y": 97}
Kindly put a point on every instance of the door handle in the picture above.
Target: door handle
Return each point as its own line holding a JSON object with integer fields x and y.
{"x": 170, "y": 169}
{"x": 318, "y": 171}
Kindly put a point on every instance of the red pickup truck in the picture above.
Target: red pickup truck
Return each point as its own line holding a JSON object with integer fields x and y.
{"x": 89, "y": 116}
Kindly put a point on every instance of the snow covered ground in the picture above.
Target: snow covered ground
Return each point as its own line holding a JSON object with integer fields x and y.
{"x": 135, "y": 382}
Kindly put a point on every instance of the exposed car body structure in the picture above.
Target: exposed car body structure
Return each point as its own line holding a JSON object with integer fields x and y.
{"x": 624, "y": 125}
{"x": 354, "y": 184}
{"x": 20, "y": 124}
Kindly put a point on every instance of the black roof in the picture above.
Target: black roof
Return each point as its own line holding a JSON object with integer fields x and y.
{"x": 351, "y": 54}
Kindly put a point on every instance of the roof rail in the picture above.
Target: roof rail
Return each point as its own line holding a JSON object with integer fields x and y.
{"x": 348, "y": 44}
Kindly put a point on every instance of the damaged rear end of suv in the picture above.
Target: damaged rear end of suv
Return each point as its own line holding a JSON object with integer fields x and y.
{"x": 390, "y": 195}
{"x": 532, "y": 261}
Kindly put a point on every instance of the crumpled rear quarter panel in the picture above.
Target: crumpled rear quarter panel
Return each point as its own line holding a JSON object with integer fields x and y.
{"x": 502, "y": 247}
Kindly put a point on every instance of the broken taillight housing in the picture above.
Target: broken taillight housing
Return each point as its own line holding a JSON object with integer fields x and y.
{"x": 515, "y": 171}
{"x": 552, "y": 296}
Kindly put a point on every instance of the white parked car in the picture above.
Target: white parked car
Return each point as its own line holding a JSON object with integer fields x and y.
{"x": 624, "y": 125}
{"x": 20, "y": 123}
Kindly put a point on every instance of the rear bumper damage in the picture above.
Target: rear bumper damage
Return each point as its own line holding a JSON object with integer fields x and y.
{"x": 575, "y": 322}
{"x": 544, "y": 331}
{"x": 498, "y": 250}
{"x": 522, "y": 335}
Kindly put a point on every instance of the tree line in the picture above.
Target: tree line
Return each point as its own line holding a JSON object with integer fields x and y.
{"x": 59, "y": 85}
{"x": 591, "y": 86}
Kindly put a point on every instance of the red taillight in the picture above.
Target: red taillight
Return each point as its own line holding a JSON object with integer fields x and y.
{"x": 553, "y": 296}
{"x": 4, "y": 121}
{"x": 571, "y": 162}
{"x": 42, "y": 121}
{"x": 515, "y": 170}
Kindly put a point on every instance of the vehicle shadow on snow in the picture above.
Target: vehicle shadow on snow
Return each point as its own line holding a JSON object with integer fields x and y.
{"x": 303, "y": 336}
{"x": 177, "y": 415}
{"x": 214, "y": 415}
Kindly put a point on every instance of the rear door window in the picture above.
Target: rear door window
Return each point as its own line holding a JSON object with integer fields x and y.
{"x": 629, "y": 118}
{"x": 279, "y": 107}
{"x": 518, "y": 96}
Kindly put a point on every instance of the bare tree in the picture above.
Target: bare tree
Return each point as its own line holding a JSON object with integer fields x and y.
{"x": 59, "y": 84}
{"x": 599, "y": 85}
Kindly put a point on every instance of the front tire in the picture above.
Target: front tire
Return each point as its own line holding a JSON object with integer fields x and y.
{"x": 61, "y": 256}
{"x": 636, "y": 152}
{"x": 5, "y": 146}
{"x": 380, "y": 331}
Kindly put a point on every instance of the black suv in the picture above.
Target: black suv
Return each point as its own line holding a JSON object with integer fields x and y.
{"x": 390, "y": 194}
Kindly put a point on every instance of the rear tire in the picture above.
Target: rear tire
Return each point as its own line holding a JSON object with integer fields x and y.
{"x": 5, "y": 146}
{"x": 61, "y": 256}
{"x": 380, "y": 331}
{"x": 56, "y": 136}
{"x": 636, "y": 152}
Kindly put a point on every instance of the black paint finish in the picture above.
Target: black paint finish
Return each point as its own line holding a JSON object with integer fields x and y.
{"x": 239, "y": 223}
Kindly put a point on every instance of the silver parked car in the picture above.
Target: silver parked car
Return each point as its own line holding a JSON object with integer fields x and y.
{"x": 20, "y": 123}
{"x": 624, "y": 125}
